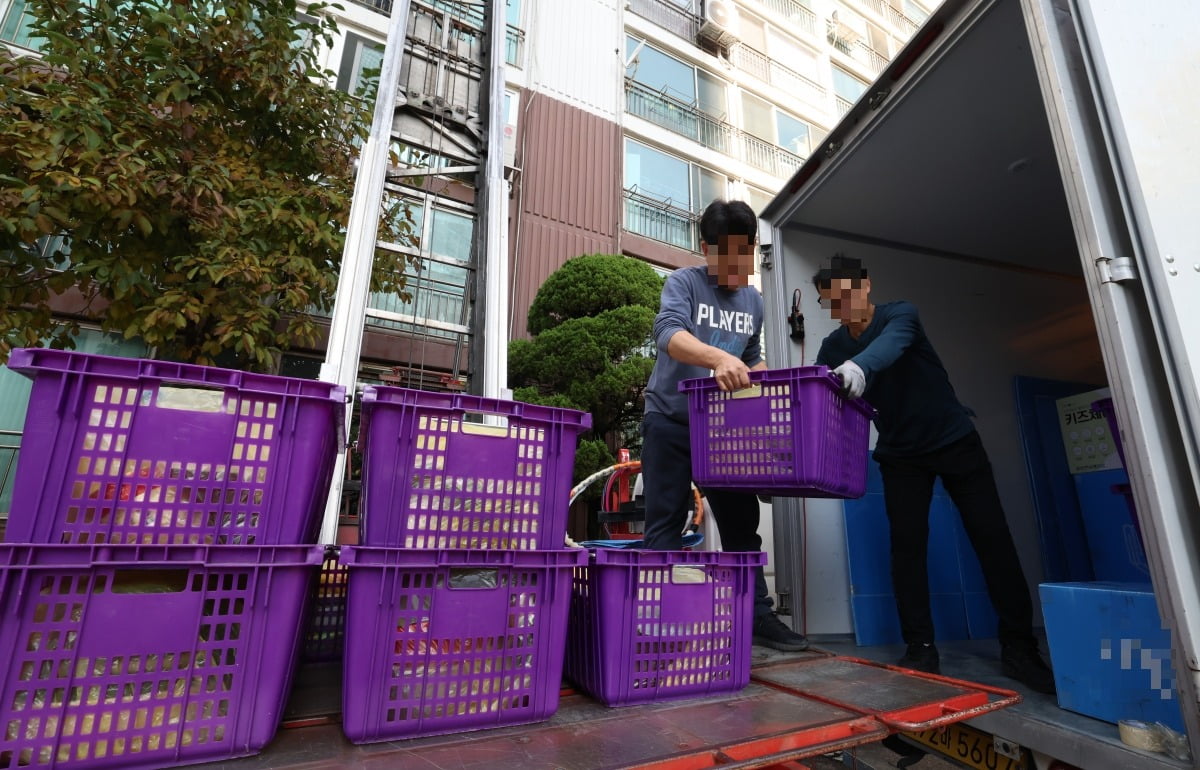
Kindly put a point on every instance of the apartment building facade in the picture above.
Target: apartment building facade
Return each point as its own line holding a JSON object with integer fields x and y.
{"x": 620, "y": 120}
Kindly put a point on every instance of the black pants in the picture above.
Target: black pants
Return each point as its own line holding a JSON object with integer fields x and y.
{"x": 967, "y": 475}
{"x": 667, "y": 486}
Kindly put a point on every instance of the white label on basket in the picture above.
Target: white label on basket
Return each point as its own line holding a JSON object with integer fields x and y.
{"x": 484, "y": 424}
{"x": 191, "y": 399}
{"x": 681, "y": 574}
{"x": 752, "y": 391}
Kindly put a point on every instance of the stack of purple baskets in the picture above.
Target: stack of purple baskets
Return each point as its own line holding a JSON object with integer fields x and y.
{"x": 457, "y": 606}
{"x": 159, "y": 552}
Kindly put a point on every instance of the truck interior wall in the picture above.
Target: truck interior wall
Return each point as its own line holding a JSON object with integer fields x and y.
{"x": 989, "y": 323}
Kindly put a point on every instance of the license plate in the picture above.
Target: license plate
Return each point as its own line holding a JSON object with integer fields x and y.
{"x": 967, "y": 746}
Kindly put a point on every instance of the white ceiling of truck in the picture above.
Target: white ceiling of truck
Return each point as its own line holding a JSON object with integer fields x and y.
{"x": 964, "y": 164}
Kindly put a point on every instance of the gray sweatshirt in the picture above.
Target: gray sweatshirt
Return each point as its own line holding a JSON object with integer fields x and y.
{"x": 729, "y": 319}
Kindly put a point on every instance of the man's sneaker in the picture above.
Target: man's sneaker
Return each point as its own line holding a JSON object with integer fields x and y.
{"x": 921, "y": 657}
{"x": 769, "y": 631}
{"x": 1025, "y": 664}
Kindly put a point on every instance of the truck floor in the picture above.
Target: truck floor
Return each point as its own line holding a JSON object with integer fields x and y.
{"x": 1036, "y": 722}
{"x": 585, "y": 735}
{"x": 797, "y": 707}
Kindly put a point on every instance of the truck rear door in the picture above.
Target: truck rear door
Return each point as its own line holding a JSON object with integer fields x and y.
{"x": 1119, "y": 80}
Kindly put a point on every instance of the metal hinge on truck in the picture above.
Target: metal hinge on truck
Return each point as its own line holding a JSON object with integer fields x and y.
{"x": 1117, "y": 270}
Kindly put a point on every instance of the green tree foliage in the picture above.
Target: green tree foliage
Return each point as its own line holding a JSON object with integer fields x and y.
{"x": 591, "y": 322}
{"x": 589, "y": 285}
{"x": 196, "y": 164}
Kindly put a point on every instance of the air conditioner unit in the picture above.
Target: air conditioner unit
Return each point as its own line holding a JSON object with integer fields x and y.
{"x": 720, "y": 23}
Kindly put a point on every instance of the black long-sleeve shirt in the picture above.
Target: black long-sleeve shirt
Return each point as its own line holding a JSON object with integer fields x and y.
{"x": 918, "y": 411}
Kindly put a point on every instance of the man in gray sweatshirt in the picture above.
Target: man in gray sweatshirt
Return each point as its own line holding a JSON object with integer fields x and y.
{"x": 709, "y": 324}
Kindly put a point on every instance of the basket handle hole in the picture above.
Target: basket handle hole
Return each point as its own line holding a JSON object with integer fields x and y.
{"x": 190, "y": 399}
{"x": 681, "y": 574}
{"x": 473, "y": 578}
{"x": 149, "y": 581}
{"x": 484, "y": 424}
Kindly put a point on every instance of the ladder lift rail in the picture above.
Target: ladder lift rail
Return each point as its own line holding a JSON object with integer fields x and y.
{"x": 358, "y": 255}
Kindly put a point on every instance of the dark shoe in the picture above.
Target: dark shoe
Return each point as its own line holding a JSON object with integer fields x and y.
{"x": 769, "y": 631}
{"x": 921, "y": 657}
{"x": 1025, "y": 664}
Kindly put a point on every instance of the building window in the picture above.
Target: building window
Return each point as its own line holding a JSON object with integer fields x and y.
{"x": 676, "y": 95}
{"x": 675, "y": 78}
{"x": 758, "y": 199}
{"x": 436, "y": 284}
{"x": 794, "y": 135}
{"x": 361, "y": 60}
{"x": 847, "y": 87}
{"x": 16, "y": 24}
{"x": 767, "y": 122}
{"x": 757, "y": 118}
{"x": 512, "y": 103}
{"x": 798, "y": 58}
{"x": 752, "y": 31}
{"x": 879, "y": 40}
{"x": 657, "y": 175}
{"x": 665, "y": 194}
{"x": 660, "y": 71}
{"x": 915, "y": 12}
{"x": 452, "y": 235}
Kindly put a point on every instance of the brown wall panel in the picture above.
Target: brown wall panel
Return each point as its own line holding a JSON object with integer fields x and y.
{"x": 570, "y": 165}
{"x": 545, "y": 246}
{"x": 566, "y": 201}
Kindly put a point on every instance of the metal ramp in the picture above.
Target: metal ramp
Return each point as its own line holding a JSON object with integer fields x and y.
{"x": 803, "y": 706}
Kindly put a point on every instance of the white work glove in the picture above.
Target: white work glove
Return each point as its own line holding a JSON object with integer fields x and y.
{"x": 854, "y": 382}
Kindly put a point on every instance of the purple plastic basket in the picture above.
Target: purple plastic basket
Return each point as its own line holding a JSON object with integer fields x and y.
{"x": 125, "y": 450}
{"x": 433, "y": 478}
{"x": 325, "y": 629}
{"x": 660, "y": 625}
{"x": 146, "y": 656}
{"x": 447, "y": 641}
{"x": 789, "y": 433}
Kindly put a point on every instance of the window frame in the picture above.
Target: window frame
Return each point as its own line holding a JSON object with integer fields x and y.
{"x": 350, "y": 65}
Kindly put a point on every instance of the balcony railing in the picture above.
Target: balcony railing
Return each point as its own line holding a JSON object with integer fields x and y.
{"x": 688, "y": 121}
{"x": 843, "y": 106}
{"x": 770, "y": 71}
{"x": 514, "y": 46}
{"x": 859, "y": 52}
{"x": 876, "y": 62}
{"x": 434, "y": 308}
{"x": 898, "y": 20}
{"x": 444, "y": 306}
{"x": 795, "y": 13}
{"x": 678, "y": 116}
{"x": 669, "y": 16}
{"x": 661, "y": 220}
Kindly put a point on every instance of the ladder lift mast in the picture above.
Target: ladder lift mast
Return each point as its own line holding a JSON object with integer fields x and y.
{"x": 354, "y": 281}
